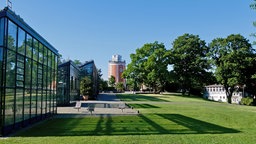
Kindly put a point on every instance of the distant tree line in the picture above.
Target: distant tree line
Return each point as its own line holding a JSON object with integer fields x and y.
{"x": 190, "y": 64}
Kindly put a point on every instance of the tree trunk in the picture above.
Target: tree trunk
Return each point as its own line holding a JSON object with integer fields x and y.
{"x": 229, "y": 99}
{"x": 183, "y": 91}
{"x": 229, "y": 92}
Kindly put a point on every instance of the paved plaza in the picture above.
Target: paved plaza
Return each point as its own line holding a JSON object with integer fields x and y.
{"x": 107, "y": 104}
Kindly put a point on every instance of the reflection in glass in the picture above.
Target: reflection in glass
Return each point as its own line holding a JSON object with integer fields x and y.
{"x": 35, "y": 49}
{"x": 49, "y": 98}
{"x": 44, "y": 105}
{"x": 40, "y": 76}
{"x": 1, "y": 31}
{"x": 44, "y": 97}
{"x": 20, "y": 71}
{"x": 41, "y": 53}
{"x": 45, "y": 55}
{"x": 21, "y": 41}
{"x": 27, "y": 104}
{"x": 28, "y": 67}
{"x": 1, "y": 63}
{"x": 34, "y": 75}
{"x": 49, "y": 59}
{"x": 34, "y": 89}
{"x": 39, "y": 99}
{"x": 19, "y": 105}
{"x": 12, "y": 35}
{"x": 9, "y": 106}
{"x": 33, "y": 102}
{"x": 29, "y": 86}
{"x": 29, "y": 49}
{"x": 10, "y": 69}
{"x": 1, "y": 54}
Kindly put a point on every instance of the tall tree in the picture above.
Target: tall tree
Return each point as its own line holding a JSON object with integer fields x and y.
{"x": 156, "y": 66}
{"x": 103, "y": 84}
{"x": 253, "y": 6}
{"x": 120, "y": 87}
{"x": 131, "y": 85}
{"x": 77, "y": 62}
{"x": 148, "y": 66}
{"x": 234, "y": 59}
{"x": 188, "y": 57}
{"x": 112, "y": 81}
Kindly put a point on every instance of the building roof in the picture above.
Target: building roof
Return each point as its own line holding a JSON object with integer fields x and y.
{"x": 69, "y": 63}
{"x": 215, "y": 85}
{"x": 6, "y": 12}
{"x": 86, "y": 63}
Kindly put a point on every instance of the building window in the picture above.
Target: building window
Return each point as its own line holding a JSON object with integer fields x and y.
{"x": 19, "y": 105}
{"x": 1, "y": 61}
{"x": 29, "y": 49}
{"x": 40, "y": 53}
{"x": 10, "y": 68}
{"x": 21, "y": 41}
{"x": 12, "y": 35}
{"x": 2, "y": 32}
{"x": 71, "y": 83}
{"x": 35, "y": 49}
{"x": 9, "y": 106}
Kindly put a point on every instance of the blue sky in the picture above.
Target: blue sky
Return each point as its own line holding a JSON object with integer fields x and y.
{"x": 97, "y": 29}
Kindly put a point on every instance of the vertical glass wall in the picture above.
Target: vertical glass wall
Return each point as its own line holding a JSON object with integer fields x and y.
{"x": 1, "y": 70}
{"x": 68, "y": 83}
{"x": 63, "y": 82}
{"x": 89, "y": 69}
{"x": 28, "y": 75}
{"x": 74, "y": 82}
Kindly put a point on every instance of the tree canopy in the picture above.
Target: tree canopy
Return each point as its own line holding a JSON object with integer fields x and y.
{"x": 120, "y": 87}
{"x": 188, "y": 58}
{"x": 234, "y": 59}
{"x": 77, "y": 62}
{"x": 253, "y": 7}
{"x": 148, "y": 66}
{"x": 86, "y": 86}
{"x": 112, "y": 81}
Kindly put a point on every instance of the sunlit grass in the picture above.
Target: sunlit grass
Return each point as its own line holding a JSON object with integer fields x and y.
{"x": 162, "y": 119}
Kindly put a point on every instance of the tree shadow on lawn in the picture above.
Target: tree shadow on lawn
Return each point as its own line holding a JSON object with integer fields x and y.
{"x": 143, "y": 106}
{"x": 141, "y": 97}
{"x": 135, "y": 125}
{"x": 196, "y": 126}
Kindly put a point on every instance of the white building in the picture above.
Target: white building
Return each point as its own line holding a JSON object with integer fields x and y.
{"x": 218, "y": 93}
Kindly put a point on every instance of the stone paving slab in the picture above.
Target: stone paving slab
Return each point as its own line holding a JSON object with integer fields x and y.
{"x": 83, "y": 112}
{"x": 107, "y": 104}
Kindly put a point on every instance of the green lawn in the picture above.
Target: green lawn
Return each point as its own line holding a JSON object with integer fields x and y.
{"x": 162, "y": 119}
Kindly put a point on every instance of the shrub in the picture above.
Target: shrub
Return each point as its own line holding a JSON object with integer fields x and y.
{"x": 247, "y": 101}
{"x": 86, "y": 86}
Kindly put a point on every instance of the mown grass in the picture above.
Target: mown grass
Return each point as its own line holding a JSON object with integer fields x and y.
{"x": 162, "y": 119}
